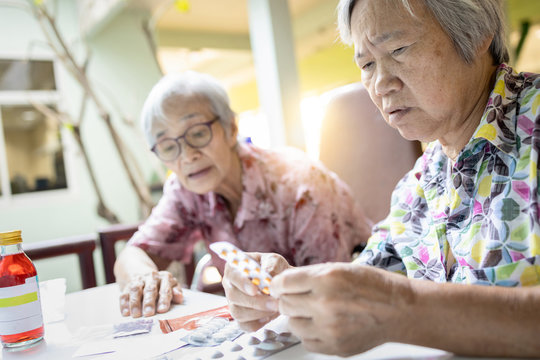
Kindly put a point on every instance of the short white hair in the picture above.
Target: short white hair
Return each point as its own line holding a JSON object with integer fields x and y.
{"x": 190, "y": 84}
{"x": 467, "y": 23}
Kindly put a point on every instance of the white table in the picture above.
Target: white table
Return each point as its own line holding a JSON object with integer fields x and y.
{"x": 97, "y": 307}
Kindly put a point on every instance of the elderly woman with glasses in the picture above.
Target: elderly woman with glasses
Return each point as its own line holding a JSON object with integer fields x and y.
{"x": 223, "y": 190}
{"x": 464, "y": 226}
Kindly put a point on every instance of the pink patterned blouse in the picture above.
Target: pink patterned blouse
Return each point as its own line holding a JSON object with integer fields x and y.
{"x": 290, "y": 205}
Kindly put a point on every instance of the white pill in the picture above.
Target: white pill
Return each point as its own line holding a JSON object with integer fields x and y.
{"x": 270, "y": 345}
{"x": 269, "y": 334}
{"x": 236, "y": 347}
{"x": 198, "y": 337}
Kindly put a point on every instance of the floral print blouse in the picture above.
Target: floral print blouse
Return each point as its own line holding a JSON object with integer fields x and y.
{"x": 484, "y": 208}
{"x": 290, "y": 205}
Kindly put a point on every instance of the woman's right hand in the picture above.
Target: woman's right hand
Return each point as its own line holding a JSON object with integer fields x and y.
{"x": 145, "y": 293}
{"x": 248, "y": 306}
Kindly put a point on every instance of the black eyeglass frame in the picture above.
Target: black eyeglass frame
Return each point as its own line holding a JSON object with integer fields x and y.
{"x": 183, "y": 136}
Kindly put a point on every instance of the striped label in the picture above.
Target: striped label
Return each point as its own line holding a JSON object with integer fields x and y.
{"x": 20, "y": 308}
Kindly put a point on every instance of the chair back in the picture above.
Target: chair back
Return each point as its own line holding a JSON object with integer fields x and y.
{"x": 108, "y": 237}
{"x": 83, "y": 246}
{"x": 363, "y": 150}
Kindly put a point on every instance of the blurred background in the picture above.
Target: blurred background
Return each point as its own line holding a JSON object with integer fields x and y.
{"x": 74, "y": 76}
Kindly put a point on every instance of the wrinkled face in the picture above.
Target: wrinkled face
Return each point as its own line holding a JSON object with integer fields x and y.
{"x": 199, "y": 170}
{"x": 411, "y": 69}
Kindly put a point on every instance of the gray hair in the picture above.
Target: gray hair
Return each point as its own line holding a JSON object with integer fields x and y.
{"x": 467, "y": 23}
{"x": 189, "y": 84}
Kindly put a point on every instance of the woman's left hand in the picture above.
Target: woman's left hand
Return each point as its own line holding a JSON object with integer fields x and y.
{"x": 342, "y": 308}
{"x": 248, "y": 306}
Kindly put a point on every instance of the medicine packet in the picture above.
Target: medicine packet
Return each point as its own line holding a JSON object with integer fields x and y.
{"x": 274, "y": 337}
{"x": 241, "y": 261}
{"x": 193, "y": 321}
{"x": 213, "y": 332}
{"x": 141, "y": 326}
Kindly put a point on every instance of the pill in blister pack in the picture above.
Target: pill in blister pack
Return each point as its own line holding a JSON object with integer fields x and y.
{"x": 255, "y": 346}
{"x": 241, "y": 261}
{"x": 213, "y": 332}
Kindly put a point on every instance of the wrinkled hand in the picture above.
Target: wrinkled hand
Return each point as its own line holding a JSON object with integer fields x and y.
{"x": 342, "y": 308}
{"x": 248, "y": 306}
{"x": 148, "y": 291}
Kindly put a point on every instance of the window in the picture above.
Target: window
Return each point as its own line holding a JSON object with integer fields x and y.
{"x": 21, "y": 75}
{"x": 31, "y": 151}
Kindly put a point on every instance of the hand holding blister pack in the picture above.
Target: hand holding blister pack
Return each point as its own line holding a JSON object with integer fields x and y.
{"x": 247, "y": 265}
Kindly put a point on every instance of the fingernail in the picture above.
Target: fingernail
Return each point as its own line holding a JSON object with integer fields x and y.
{"x": 148, "y": 310}
{"x": 272, "y": 305}
{"x": 162, "y": 307}
{"x": 125, "y": 312}
{"x": 135, "y": 312}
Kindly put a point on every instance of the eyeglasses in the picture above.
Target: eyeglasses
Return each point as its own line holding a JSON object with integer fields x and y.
{"x": 196, "y": 136}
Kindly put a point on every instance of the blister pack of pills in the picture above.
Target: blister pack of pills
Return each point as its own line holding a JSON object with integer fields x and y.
{"x": 255, "y": 346}
{"x": 241, "y": 261}
{"x": 213, "y": 332}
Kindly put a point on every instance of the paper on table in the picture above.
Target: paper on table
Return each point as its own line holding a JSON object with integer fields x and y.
{"x": 139, "y": 347}
{"x": 97, "y": 348}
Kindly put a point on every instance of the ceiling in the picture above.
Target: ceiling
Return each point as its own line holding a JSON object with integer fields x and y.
{"x": 212, "y": 36}
{"x": 230, "y": 16}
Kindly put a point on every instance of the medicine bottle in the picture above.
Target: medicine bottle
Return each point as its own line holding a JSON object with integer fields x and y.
{"x": 21, "y": 320}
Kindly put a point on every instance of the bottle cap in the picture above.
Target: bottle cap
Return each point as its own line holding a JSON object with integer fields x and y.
{"x": 10, "y": 237}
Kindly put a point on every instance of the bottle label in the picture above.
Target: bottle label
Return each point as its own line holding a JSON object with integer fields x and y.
{"x": 20, "y": 308}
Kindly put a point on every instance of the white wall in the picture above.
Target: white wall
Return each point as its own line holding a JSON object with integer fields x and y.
{"x": 123, "y": 69}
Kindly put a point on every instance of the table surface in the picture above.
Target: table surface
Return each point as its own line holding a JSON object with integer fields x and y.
{"x": 88, "y": 311}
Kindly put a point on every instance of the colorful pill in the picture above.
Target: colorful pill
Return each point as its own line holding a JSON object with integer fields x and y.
{"x": 241, "y": 261}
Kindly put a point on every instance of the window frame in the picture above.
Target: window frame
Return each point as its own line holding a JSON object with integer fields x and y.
{"x": 45, "y": 97}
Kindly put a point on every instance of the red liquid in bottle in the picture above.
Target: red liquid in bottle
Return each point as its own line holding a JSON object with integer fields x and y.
{"x": 14, "y": 270}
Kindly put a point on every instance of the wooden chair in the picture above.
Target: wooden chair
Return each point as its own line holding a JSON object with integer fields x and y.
{"x": 109, "y": 236}
{"x": 83, "y": 246}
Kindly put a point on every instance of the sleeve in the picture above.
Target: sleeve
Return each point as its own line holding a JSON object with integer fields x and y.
{"x": 400, "y": 226}
{"x": 171, "y": 230}
{"x": 326, "y": 223}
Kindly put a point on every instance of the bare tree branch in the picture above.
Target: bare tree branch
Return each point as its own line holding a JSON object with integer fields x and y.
{"x": 63, "y": 52}
{"x": 65, "y": 120}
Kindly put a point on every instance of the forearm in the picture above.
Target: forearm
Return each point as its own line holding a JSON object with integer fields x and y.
{"x": 132, "y": 261}
{"x": 474, "y": 320}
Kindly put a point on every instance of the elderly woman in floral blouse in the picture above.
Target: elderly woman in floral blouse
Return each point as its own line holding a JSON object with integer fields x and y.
{"x": 465, "y": 217}
{"x": 222, "y": 190}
